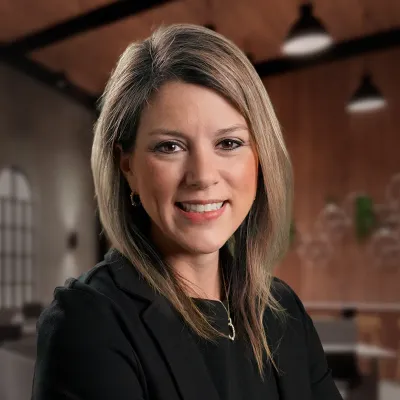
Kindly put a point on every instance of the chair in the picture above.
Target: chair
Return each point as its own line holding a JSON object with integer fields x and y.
{"x": 9, "y": 329}
{"x": 369, "y": 327}
{"x": 8, "y": 315}
{"x": 339, "y": 338}
{"x": 10, "y": 332}
{"x": 369, "y": 330}
{"x": 31, "y": 312}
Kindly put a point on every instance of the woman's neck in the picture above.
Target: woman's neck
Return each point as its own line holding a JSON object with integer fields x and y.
{"x": 200, "y": 274}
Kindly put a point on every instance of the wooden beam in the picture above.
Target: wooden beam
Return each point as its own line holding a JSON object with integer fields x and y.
{"x": 91, "y": 20}
{"x": 55, "y": 81}
{"x": 340, "y": 51}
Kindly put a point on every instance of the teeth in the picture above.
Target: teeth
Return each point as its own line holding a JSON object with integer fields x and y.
{"x": 201, "y": 208}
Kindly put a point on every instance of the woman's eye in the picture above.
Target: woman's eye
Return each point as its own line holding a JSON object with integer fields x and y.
{"x": 168, "y": 147}
{"x": 230, "y": 144}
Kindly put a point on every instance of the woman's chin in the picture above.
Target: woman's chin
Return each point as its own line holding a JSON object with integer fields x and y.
{"x": 206, "y": 246}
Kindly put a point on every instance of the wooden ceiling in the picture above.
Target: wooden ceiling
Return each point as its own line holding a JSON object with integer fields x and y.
{"x": 258, "y": 27}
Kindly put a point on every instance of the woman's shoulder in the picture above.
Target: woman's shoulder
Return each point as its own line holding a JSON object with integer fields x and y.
{"x": 86, "y": 303}
{"x": 80, "y": 331}
{"x": 91, "y": 287}
{"x": 287, "y": 327}
{"x": 103, "y": 283}
{"x": 289, "y": 301}
{"x": 77, "y": 307}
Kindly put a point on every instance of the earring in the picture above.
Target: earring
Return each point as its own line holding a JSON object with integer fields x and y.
{"x": 137, "y": 202}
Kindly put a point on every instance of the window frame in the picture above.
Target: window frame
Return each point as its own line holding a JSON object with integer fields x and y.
{"x": 16, "y": 242}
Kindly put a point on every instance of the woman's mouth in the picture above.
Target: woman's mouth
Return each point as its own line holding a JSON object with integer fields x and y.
{"x": 200, "y": 208}
{"x": 201, "y": 212}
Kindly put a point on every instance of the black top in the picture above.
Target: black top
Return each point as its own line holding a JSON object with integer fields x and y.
{"x": 109, "y": 336}
{"x": 231, "y": 364}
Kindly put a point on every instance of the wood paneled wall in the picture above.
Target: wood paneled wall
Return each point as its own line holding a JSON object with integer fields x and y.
{"x": 333, "y": 154}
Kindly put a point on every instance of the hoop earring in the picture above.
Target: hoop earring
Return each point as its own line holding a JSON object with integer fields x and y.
{"x": 133, "y": 202}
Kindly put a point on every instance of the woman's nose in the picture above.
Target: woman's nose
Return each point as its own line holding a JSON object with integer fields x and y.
{"x": 202, "y": 171}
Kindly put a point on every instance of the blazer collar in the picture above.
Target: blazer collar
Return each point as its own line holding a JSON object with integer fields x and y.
{"x": 127, "y": 277}
{"x": 168, "y": 329}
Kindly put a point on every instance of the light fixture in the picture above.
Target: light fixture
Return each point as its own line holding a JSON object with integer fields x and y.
{"x": 72, "y": 241}
{"x": 307, "y": 36}
{"x": 212, "y": 27}
{"x": 367, "y": 97}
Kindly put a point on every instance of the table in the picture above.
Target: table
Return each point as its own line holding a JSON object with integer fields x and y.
{"x": 360, "y": 349}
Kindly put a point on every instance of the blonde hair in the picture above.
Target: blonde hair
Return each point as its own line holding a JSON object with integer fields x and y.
{"x": 197, "y": 55}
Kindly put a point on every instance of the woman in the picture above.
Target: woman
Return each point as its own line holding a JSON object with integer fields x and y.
{"x": 194, "y": 185}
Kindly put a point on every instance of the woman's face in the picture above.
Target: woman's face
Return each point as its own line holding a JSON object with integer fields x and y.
{"x": 194, "y": 167}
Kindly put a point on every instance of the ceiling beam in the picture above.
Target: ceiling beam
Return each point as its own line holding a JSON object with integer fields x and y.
{"x": 82, "y": 23}
{"x": 340, "y": 51}
{"x": 55, "y": 81}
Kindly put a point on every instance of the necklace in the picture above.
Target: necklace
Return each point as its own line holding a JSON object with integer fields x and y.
{"x": 230, "y": 324}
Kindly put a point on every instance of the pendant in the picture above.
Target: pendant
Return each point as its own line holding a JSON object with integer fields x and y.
{"x": 232, "y": 328}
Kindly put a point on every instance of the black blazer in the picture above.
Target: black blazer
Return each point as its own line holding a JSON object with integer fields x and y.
{"x": 107, "y": 335}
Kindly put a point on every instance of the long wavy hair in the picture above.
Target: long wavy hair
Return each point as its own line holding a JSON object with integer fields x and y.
{"x": 196, "y": 55}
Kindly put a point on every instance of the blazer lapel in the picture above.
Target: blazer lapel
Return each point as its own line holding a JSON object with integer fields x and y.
{"x": 180, "y": 351}
{"x": 176, "y": 343}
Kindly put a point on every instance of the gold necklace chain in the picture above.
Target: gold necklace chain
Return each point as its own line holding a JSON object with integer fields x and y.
{"x": 230, "y": 324}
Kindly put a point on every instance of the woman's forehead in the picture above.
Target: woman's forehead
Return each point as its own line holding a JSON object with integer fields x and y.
{"x": 181, "y": 106}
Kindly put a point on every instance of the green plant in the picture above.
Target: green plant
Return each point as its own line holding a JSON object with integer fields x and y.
{"x": 365, "y": 218}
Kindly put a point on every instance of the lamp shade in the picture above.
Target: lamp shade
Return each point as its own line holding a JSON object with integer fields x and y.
{"x": 307, "y": 36}
{"x": 367, "y": 97}
{"x": 211, "y": 27}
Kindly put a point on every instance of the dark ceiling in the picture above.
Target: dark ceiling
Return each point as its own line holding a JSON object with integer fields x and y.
{"x": 73, "y": 45}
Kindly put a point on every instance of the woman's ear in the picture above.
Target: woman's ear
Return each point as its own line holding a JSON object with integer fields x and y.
{"x": 125, "y": 163}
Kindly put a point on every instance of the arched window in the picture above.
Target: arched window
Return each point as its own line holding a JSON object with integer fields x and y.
{"x": 16, "y": 237}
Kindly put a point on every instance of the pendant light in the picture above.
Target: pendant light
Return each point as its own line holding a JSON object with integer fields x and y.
{"x": 210, "y": 11}
{"x": 367, "y": 97}
{"x": 307, "y": 36}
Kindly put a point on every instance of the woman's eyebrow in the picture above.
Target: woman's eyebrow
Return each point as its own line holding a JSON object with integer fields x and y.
{"x": 177, "y": 133}
{"x": 231, "y": 129}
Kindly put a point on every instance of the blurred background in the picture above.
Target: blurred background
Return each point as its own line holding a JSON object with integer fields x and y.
{"x": 332, "y": 70}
